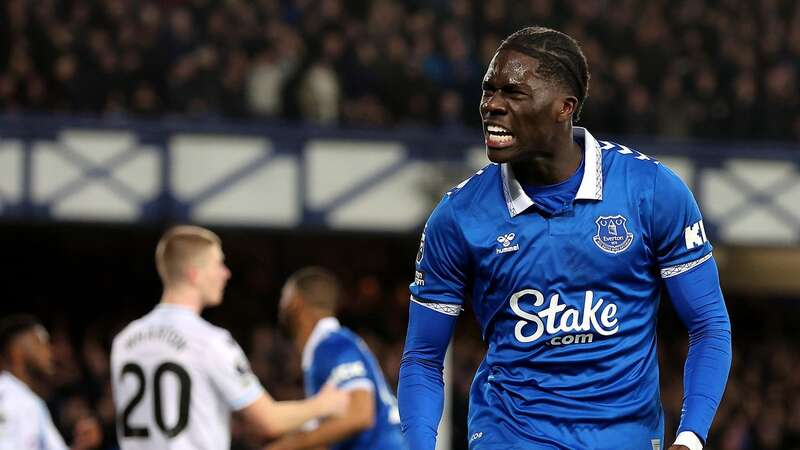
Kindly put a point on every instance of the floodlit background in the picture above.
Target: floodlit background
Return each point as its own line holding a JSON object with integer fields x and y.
{"x": 324, "y": 131}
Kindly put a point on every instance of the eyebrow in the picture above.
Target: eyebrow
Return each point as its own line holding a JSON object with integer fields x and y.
{"x": 513, "y": 85}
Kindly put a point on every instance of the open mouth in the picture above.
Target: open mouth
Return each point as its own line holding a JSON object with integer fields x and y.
{"x": 498, "y": 137}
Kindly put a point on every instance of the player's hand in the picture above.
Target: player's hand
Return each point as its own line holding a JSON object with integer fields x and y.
{"x": 334, "y": 401}
{"x": 678, "y": 447}
{"x": 88, "y": 434}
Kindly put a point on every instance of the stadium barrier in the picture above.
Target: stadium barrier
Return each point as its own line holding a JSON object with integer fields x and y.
{"x": 286, "y": 176}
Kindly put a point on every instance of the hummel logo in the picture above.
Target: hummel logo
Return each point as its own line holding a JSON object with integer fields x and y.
{"x": 505, "y": 240}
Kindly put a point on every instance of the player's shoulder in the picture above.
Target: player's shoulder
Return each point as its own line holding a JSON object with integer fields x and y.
{"x": 642, "y": 173}
{"x": 214, "y": 335}
{"x": 343, "y": 355}
{"x": 126, "y": 331}
{"x": 339, "y": 343}
{"x": 17, "y": 393}
{"x": 339, "y": 340}
{"x": 620, "y": 160}
{"x": 474, "y": 187}
{"x": 464, "y": 196}
{"x": 185, "y": 323}
{"x": 627, "y": 155}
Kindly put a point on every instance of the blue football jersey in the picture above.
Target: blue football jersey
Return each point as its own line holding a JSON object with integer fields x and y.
{"x": 336, "y": 354}
{"x": 566, "y": 303}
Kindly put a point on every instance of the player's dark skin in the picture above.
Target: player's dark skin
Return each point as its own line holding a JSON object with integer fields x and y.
{"x": 538, "y": 112}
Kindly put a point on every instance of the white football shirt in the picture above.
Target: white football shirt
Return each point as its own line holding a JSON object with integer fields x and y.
{"x": 25, "y": 422}
{"x": 176, "y": 379}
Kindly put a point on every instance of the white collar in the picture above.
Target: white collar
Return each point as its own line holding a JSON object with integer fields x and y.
{"x": 321, "y": 330}
{"x": 174, "y": 307}
{"x": 591, "y": 187}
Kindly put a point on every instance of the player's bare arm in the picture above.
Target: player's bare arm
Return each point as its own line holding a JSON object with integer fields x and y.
{"x": 359, "y": 416}
{"x": 273, "y": 418}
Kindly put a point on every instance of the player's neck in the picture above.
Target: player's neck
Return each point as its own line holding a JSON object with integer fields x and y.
{"x": 550, "y": 169}
{"x": 304, "y": 330}
{"x": 185, "y": 296}
{"x": 22, "y": 374}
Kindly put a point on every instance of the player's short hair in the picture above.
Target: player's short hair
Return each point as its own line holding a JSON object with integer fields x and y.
{"x": 319, "y": 287}
{"x": 560, "y": 58}
{"x": 12, "y": 326}
{"x": 180, "y": 246}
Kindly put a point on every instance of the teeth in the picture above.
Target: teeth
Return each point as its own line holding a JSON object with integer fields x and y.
{"x": 497, "y": 130}
{"x": 499, "y": 140}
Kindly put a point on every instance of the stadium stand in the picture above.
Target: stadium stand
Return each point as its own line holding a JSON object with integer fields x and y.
{"x": 705, "y": 68}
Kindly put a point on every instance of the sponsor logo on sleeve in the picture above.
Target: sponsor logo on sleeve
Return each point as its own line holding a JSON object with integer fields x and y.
{"x": 245, "y": 373}
{"x": 695, "y": 235}
{"x": 419, "y": 278}
{"x": 347, "y": 371}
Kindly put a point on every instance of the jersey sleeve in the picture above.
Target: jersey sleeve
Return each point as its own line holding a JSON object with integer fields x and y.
{"x": 230, "y": 373}
{"x": 698, "y": 300}
{"x": 440, "y": 280}
{"x": 341, "y": 362}
{"x": 680, "y": 241}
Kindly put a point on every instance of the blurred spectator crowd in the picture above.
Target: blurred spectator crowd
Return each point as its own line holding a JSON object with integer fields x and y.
{"x": 701, "y": 68}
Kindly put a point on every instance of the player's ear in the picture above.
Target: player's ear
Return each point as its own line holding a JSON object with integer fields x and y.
{"x": 568, "y": 106}
{"x": 191, "y": 273}
{"x": 299, "y": 303}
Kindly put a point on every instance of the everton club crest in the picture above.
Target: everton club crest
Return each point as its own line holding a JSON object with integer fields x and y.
{"x": 612, "y": 234}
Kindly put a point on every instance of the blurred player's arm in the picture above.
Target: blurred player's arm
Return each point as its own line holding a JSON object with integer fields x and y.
{"x": 234, "y": 379}
{"x": 442, "y": 274}
{"x": 272, "y": 419}
{"x": 360, "y": 416}
{"x": 87, "y": 434}
{"x": 692, "y": 281}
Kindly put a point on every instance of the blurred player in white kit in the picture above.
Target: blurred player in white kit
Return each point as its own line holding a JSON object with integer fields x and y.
{"x": 25, "y": 422}
{"x": 177, "y": 378}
